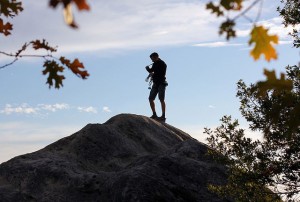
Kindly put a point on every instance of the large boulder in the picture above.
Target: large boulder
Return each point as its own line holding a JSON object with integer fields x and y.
{"x": 128, "y": 158}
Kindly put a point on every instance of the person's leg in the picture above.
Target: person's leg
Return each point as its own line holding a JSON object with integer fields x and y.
{"x": 152, "y": 105}
{"x": 161, "y": 96}
{"x": 153, "y": 93}
{"x": 163, "y": 108}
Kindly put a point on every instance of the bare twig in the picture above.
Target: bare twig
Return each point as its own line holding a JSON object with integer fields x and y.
{"x": 2, "y": 67}
{"x": 17, "y": 56}
{"x": 259, "y": 11}
{"x": 246, "y": 10}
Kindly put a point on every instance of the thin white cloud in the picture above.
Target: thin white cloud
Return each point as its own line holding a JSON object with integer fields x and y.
{"x": 42, "y": 109}
{"x": 21, "y": 109}
{"x": 161, "y": 33}
{"x": 88, "y": 109}
{"x": 54, "y": 107}
{"x": 285, "y": 42}
{"x": 217, "y": 44}
{"x": 243, "y": 32}
{"x": 211, "y": 106}
{"x": 106, "y": 109}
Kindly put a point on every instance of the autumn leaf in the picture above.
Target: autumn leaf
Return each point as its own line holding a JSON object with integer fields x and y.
{"x": 227, "y": 27}
{"x": 5, "y": 28}
{"x": 52, "y": 68}
{"x": 55, "y": 3}
{"x": 68, "y": 16}
{"x": 263, "y": 43}
{"x": 214, "y": 9}
{"x": 272, "y": 83}
{"x": 82, "y": 5}
{"x": 232, "y": 4}
{"x": 75, "y": 67}
{"x": 37, "y": 44}
{"x": 67, "y": 12}
{"x": 10, "y": 8}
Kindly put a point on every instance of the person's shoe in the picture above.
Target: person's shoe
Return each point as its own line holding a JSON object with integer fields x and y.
{"x": 154, "y": 116}
{"x": 162, "y": 118}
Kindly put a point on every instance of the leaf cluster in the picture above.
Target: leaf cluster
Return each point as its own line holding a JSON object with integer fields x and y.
{"x": 8, "y": 9}
{"x": 53, "y": 67}
{"x": 219, "y": 9}
{"x": 224, "y": 5}
{"x": 273, "y": 162}
{"x": 259, "y": 35}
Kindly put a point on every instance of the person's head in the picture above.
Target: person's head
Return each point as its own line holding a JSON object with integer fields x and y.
{"x": 154, "y": 57}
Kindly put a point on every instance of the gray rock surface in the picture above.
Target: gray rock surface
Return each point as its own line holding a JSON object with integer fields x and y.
{"x": 128, "y": 158}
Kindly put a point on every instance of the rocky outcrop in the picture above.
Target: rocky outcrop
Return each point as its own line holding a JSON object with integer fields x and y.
{"x": 128, "y": 158}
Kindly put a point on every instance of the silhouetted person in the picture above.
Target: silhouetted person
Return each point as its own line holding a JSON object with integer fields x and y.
{"x": 158, "y": 69}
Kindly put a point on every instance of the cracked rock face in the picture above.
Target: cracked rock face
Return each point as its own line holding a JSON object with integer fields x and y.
{"x": 128, "y": 158}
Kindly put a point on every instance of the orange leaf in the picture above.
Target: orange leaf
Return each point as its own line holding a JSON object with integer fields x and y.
{"x": 5, "y": 28}
{"x": 263, "y": 43}
{"x": 37, "y": 44}
{"x": 75, "y": 67}
{"x": 82, "y": 5}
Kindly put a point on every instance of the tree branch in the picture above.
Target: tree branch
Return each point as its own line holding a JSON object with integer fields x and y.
{"x": 17, "y": 56}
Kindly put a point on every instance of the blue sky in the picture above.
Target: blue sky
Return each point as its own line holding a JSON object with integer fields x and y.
{"x": 114, "y": 42}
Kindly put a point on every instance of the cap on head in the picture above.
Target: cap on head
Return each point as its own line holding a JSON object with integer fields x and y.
{"x": 154, "y": 55}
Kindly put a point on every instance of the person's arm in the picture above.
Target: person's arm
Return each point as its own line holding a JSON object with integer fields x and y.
{"x": 150, "y": 70}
